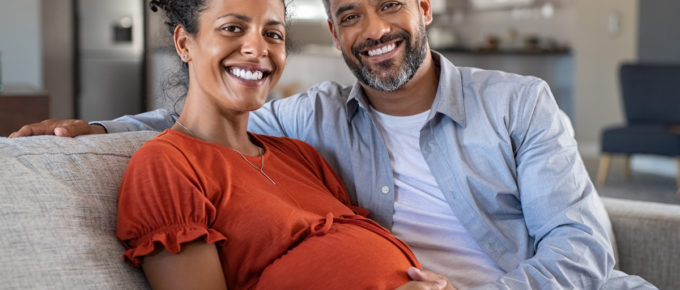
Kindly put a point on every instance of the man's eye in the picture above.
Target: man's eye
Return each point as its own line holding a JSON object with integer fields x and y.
{"x": 232, "y": 28}
{"x": 349, "y": 18}
{"x": 390, "y": 5}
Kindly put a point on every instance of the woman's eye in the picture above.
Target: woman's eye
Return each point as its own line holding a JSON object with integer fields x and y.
{"x": 232, "y": 28}
{"x": 274, "y": 35}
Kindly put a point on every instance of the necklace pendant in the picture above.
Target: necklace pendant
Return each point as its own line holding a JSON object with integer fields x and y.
{"x": 260, "y": 169}
{"x": 267, "y": 176}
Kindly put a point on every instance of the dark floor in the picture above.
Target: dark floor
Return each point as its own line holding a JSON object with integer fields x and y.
{"x": 642, "y": 186}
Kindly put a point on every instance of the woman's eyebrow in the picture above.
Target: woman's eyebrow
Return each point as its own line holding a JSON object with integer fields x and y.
{"x": 248, "y": 19}
{"x": 275, "y": 22}
{"x": 239, "y": 16}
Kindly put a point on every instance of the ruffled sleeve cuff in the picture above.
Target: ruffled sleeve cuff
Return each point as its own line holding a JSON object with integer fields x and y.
{"x": 171, "y": 238}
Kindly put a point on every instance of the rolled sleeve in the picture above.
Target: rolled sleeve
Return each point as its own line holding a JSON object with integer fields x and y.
{"x": 157, "y": 120}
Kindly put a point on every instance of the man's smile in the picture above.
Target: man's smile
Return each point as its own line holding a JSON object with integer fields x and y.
{"x": 381, "y": 52}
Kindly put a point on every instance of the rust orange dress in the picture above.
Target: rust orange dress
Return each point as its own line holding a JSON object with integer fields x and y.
{"x": 300, "y": 233}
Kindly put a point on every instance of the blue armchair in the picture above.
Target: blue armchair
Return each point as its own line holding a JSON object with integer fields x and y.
{"x": 651, "y": 98}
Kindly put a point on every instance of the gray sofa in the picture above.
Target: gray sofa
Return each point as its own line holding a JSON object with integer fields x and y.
{"x": 58, "y": 208}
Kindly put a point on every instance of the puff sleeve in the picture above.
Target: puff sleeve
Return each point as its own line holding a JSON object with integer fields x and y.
{"x": 162, "y": 203}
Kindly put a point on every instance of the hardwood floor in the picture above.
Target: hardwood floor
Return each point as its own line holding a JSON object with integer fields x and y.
{"x": 641, "y": 186}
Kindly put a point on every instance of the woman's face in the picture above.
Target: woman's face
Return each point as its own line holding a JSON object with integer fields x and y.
{"x": 238, "y": 54}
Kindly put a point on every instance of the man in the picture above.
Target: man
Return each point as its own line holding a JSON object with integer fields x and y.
{"x": 474, "y": 169}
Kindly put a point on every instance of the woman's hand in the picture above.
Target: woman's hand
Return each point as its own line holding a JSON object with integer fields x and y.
{"x": 63, "y": 128}
{"x": 426, "y": 280}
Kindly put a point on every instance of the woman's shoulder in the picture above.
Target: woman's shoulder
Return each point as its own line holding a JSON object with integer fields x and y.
{"x": 286, "y": 143}
{"x": 168, "y": 143}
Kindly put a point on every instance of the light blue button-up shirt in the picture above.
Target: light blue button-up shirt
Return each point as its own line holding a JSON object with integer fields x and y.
{"x": 500, "y": 152}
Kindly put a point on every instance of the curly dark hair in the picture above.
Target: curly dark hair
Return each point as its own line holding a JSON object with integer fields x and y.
{"x": 179, "y": 12}
{"x": 185, "y": 12}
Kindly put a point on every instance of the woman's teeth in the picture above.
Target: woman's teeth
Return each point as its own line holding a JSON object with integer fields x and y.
{"x": 382, "y": 50}
{"x": 246, "y": 74}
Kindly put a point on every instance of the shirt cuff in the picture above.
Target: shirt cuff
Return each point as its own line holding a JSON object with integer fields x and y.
{"x": 115, "y": 127}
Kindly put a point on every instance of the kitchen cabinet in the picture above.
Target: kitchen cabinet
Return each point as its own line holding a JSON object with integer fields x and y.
{"x": 20, "y": 105}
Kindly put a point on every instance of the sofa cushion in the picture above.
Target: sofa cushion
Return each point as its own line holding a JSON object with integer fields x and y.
{"x": 58, "y": 212}
{"x": 647, "y": 236}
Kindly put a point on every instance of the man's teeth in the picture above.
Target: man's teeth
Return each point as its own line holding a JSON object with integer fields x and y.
{"x": 246, "y": 74}
{"x": 382, "y": 50}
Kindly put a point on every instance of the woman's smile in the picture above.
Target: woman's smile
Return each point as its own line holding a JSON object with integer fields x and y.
{"x": 248, "y": 74}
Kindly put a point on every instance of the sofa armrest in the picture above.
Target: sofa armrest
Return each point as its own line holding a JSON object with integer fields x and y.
{"x": 647, "y": 239}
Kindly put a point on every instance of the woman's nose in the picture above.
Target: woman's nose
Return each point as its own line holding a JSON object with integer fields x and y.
{"x": 254, "y": 44}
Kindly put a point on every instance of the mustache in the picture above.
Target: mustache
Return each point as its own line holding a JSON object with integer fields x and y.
{"x": 356, "y": 50}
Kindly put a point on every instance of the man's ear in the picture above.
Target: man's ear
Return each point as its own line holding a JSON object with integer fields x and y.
{"x": 334, "y": 33}
{"x": 426, "y": 9}
{"x": 181, "y": 38}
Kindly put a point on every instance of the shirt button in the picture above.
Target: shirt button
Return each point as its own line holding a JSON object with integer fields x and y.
{"x": 385, "y": 189}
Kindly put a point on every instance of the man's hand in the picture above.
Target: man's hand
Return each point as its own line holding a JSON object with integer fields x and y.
{"x": 426, "y": 280}
{"x": 63, "y": 128}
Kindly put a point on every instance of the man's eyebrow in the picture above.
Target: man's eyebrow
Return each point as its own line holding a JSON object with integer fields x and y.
{"x": 344, "y": 8}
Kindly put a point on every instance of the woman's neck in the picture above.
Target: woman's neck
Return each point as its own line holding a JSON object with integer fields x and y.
{"x": 207, "y": 122}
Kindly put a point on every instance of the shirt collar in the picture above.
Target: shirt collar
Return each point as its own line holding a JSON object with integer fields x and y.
{"x": 356, "y": 99}
{"x": 448, "y": 101}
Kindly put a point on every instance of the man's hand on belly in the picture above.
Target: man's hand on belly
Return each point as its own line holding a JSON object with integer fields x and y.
{"x": 426, "y": 280}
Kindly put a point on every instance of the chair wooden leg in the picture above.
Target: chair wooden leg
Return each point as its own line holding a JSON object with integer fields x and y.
{"x": 627, "y": 172}
{"x": 603, "y": 169}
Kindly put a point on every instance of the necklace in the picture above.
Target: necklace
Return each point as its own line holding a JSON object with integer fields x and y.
{"x": 261, "y": 164}
{"x": 259, "y": 152}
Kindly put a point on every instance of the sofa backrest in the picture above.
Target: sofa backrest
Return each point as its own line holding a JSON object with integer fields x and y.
{"x": 58, "y": 203}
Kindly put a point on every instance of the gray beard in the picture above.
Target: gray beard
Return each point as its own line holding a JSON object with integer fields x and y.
{"x": 412, "y": 60}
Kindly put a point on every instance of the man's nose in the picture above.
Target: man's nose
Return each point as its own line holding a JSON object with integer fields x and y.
{"x": 375, "y": 26}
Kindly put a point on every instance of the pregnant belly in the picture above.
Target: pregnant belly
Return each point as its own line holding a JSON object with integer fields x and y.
{"x": 344, "y": 256}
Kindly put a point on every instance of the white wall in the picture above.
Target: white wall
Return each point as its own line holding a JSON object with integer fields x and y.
{"x": 20, "y": 42}
{"x": 598, "y": 53}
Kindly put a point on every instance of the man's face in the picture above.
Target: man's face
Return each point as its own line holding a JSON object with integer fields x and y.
{"x": 382, "y": 41}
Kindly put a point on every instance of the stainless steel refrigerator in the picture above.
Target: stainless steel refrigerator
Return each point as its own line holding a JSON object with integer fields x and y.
{"x": 110, "y": 58}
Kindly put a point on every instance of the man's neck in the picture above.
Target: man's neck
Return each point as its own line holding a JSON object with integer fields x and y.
{"x": 415, "y": 97}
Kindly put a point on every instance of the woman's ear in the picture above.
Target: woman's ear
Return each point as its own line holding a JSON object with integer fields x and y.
{"x": 181, "y": 38}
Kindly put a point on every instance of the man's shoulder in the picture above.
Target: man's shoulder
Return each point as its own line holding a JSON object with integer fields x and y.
{"x": 500, "y": 86}
{"x": 329, "y": 90}
{"x": 488, "y": 77}
{"x": 327, "y": 95}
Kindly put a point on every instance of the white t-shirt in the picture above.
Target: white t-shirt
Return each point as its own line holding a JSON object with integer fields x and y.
{"x": 422, "y": 216}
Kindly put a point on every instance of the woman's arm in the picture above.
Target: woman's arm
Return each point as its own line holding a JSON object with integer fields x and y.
{"x": 196, "y": 266}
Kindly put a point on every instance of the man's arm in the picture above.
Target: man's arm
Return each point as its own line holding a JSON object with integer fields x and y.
{"x": 157, "y": 120}
{"x": 562, "y": 210}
